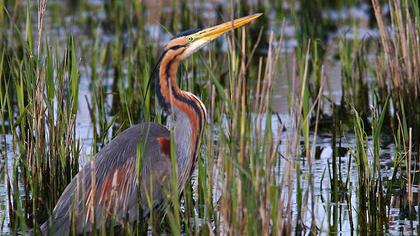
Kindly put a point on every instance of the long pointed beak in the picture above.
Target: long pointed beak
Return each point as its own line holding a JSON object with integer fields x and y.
{"x": 203, "y": 37}
{"x": 216, "y": 31}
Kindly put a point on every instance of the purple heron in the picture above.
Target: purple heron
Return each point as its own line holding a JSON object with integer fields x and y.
{"x": 107, "y": 192}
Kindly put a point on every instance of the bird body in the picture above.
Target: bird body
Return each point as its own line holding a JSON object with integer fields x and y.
{"x": 107, "y": 191}
{"x": 111, "y": 193}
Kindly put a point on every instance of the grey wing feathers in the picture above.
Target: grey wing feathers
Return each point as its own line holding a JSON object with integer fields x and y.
{"x": 92, "y": 200}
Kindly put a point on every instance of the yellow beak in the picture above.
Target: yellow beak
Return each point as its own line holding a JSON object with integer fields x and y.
{"x": 216, "y": 31}
{"x": 203, "y": 37}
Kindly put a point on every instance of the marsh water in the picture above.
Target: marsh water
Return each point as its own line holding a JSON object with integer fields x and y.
{"x": 68, "y": 17}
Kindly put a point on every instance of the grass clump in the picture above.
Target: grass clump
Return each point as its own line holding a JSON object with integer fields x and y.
{"x": 398, "y": 66}
{"x": 39, "y": 91}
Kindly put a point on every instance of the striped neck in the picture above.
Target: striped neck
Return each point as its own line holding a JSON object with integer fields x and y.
{"x": 187, "y": 111}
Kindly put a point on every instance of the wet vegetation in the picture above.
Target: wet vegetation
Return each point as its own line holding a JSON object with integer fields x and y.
{"x": 313, "y": 110}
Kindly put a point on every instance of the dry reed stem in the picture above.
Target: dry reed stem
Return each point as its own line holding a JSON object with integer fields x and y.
{"x": 409, "y": 183}
{"x": 400, "y": 49}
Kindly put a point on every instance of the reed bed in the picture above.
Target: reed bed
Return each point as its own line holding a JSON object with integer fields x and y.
{"x": 398, "y": 64}
{"x": 397, "y": 77}
{"x": 39, "y": 88}
{"x": 253, "y": 177}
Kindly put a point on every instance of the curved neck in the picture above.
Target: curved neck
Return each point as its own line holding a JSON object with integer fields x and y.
{"x": 187, "y": 111}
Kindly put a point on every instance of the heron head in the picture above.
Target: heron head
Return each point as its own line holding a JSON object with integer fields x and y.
{"x": 192, "y": 40}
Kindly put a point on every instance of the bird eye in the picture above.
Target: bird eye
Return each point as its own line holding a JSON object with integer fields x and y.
{"x": 190, "y": 38}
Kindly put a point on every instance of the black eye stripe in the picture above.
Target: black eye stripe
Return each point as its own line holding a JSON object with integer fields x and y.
{"x": 177, "y": 47}
{"x": 186, "y": 33}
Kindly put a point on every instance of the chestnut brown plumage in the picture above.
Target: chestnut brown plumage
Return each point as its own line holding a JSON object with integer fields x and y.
{"x": 107, "y": 192}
